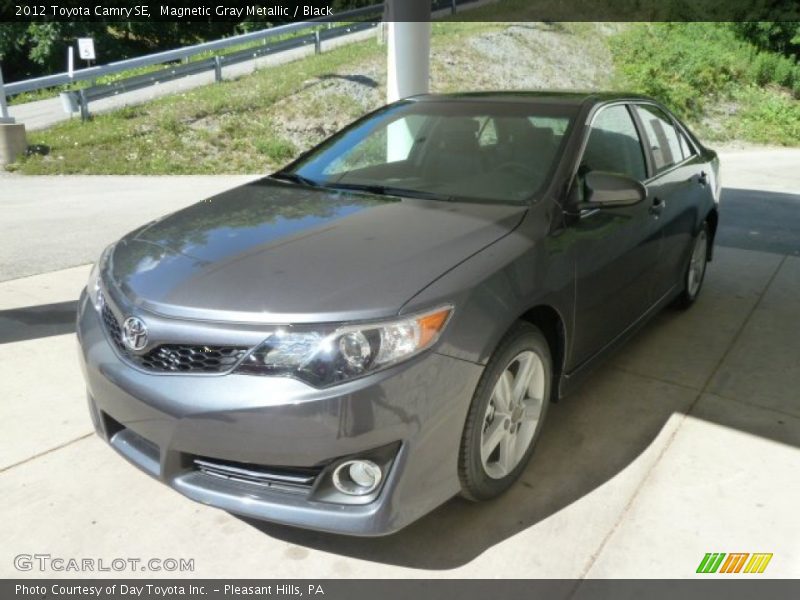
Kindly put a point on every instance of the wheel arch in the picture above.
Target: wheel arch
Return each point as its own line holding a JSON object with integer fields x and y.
{"x": 552, "y": 325}
{"x": 712, "y": 218}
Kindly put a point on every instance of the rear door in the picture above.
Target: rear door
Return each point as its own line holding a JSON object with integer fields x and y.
{"x": 675, "y": 188}
{"x": 616, "y": 249}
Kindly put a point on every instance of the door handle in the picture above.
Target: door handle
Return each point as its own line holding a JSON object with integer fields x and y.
{"x": 657, "y": 207}
{"x": 702, "y": 178}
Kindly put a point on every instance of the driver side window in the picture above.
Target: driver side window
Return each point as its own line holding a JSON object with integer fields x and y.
{"x": 614, "y": 145}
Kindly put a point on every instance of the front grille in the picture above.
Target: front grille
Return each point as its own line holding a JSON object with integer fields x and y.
{"x": 113, "y": 328}
{"x": 285, "y": 479}
{"x": 175, "y": 358}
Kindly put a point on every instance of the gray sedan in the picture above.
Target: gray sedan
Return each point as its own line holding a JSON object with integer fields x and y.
{"x": 382, "y": 325}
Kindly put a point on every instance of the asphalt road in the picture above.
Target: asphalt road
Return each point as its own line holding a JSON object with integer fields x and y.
{"x": 55, "y": 222}
{"x": 757, "y": 220}
{"x": 44, "y": 113}
{"x": 51, "y": 223}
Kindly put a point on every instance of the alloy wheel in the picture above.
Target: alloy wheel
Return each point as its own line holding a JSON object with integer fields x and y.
{"x": 697, "y": 264}
{"x": 512, "y": 414}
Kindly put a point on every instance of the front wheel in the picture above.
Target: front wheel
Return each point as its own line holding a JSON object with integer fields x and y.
{"x": 506, "y": 415}
{"x": 695, "y": 271}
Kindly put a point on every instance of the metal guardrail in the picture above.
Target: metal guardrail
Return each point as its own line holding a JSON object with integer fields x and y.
{"x": 79, "y": 100}
{"x": 186, "y": 52}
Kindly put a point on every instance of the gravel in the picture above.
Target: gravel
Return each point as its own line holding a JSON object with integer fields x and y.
{"x": 520, "y": 56}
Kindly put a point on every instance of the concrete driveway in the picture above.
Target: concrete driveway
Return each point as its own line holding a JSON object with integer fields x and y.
{"x": 686, "y": 442}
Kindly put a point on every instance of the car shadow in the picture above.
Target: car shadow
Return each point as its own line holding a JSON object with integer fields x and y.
{"x": 615, "y": 426}
{"x": 33, "y": 322}
{"x": 359, "y": 79}
{"x": 590, "y": 438}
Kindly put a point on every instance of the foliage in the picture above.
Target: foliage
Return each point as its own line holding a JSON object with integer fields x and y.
{"x": 776, "y": 36}
{"x": 764, "y": 117}
{"x": 39, "y": 48}
{"x": 226, "y": 127}
{"x": 696, "y": 67}
{"x": 703, "y": 70}
{"x": 687, "y": 64}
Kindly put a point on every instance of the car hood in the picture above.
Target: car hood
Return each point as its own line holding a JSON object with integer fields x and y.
{"x": 271, "y": 251}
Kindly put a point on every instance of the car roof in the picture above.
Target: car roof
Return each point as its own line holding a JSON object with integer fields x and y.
{"x": 565, "y": 97}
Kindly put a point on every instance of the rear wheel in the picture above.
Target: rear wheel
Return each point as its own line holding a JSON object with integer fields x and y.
{"x": 696, "y": 269}
{"x": 506, "y": 415}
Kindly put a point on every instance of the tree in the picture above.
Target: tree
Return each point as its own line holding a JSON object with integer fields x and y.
{"x": 777, "y": 36}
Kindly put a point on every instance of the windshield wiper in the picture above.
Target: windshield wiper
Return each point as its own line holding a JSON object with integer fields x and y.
{"x": 384, "y": 190}
{"x": 295, "y": 178}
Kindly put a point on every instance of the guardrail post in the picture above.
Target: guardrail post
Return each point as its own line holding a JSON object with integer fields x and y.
{"x": 453, "y": 6}
{"x": 317, "y": 43}
{"x": 4, "y": 116}
{"x": 84, "y": 102}
{"x": 217, "y": 69}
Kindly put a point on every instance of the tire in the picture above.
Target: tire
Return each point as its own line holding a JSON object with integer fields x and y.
{"x": 487, "y": 469}
{"x": 695, "y": 272}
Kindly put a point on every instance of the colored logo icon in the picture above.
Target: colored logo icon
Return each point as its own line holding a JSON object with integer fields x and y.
{"x": 736, "y": 562}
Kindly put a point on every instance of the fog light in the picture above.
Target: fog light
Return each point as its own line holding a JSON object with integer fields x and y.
{"x": 357, "y": 477}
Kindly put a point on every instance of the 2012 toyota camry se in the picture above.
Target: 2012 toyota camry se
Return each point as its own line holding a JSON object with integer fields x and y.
{"x": 381, "y": 325}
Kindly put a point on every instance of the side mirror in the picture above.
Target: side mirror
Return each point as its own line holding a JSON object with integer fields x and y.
{"x": 612, "y": 190}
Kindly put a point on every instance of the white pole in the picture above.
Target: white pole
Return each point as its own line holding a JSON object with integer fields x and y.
{"x": 408, "y": 69}
{"x": 71, "y": 62}
{"x": 408, "y": 25}
{"x": 408, "y": 64}
{"x": 4, "y": 116}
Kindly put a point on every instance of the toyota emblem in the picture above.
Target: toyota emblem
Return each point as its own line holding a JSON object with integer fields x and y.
{"x": 134, "y": 333}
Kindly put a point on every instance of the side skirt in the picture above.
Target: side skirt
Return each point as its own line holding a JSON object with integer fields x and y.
{"x": 571, "y": 381}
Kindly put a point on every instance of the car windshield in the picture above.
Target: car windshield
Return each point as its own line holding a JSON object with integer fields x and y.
{"x": 481, "y": 151}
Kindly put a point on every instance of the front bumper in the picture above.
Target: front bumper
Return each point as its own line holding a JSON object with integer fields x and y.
{"x": 162, "y": 423}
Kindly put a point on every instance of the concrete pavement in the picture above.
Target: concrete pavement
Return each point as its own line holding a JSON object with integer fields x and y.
{"x": 637, "y": 475}
{"x": 685, "y": 442}
{"x": 54, "y": 222}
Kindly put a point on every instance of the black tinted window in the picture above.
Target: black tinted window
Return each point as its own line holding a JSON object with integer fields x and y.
{"x": 614, "y": 145}
{"x": 661, "y": 136}
{"x": 487, "y": 151}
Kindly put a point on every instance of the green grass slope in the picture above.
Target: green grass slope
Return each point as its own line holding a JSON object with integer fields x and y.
{"x": 723, "y": 87}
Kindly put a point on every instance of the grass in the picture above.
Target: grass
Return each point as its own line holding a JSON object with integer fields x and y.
{"x": 260, "y": 122}
{"x": 227, "y": 127}
{"x": 46, "y": 93}
{"x": 723, "y": 86}
{"x": 220, "y": 128}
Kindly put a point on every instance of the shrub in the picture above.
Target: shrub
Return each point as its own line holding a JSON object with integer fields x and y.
{"x": 691, "y": 66}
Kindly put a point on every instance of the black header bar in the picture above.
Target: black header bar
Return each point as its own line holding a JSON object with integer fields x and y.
{"x": 287, "y": 11}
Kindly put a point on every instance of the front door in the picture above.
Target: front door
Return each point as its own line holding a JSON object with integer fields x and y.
{"x": 616, "y": 249}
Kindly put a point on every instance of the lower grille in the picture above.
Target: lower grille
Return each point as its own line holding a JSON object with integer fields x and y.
{"x": 176, "y": 358}
{"x": 285, "y": 479}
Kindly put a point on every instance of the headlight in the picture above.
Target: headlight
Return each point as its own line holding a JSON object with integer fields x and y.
{"x": 94, "y": 287}
{"x": 323, "y": 357}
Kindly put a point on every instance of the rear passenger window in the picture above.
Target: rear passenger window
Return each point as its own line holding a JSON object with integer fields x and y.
{"x": 661, "y": 136}
{"x": 614, "y": 145}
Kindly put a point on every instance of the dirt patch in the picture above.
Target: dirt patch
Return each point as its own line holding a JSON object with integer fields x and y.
{"x": 527, "y": 56}
{"x": 521, "y": 56}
